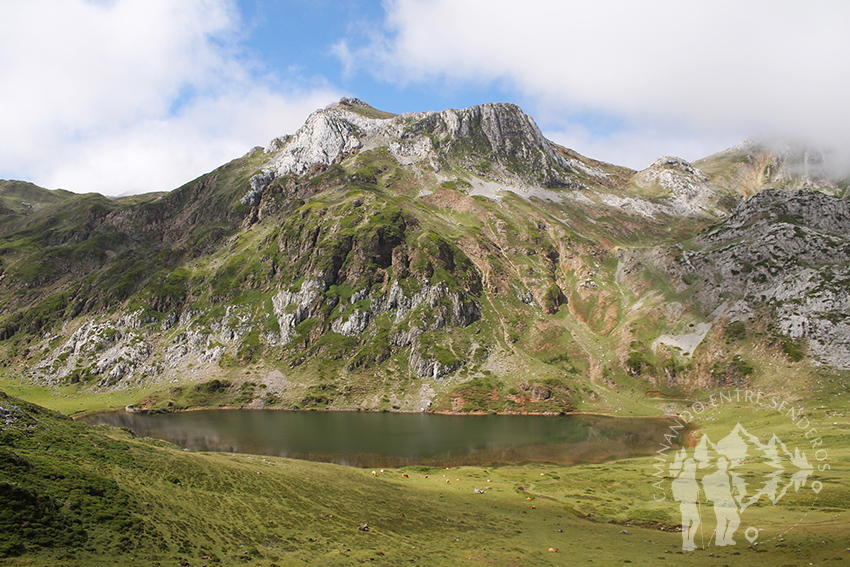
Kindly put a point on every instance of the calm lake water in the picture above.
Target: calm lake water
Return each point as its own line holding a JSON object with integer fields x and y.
{"x": 367, "y": 439}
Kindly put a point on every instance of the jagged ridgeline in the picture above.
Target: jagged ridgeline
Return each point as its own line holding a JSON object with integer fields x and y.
{"x": 453, "y": 260}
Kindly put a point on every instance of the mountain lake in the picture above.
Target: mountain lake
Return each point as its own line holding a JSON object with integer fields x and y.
{"x": 374, "y": 439}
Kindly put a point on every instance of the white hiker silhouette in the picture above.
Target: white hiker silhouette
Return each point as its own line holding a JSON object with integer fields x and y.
{"x": 718, "y": 489}
{"x": 725, "y": 487}
{"x": 686, "y": 491}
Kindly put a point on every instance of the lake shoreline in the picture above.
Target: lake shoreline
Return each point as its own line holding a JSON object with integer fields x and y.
{"x": 143, "y": 411}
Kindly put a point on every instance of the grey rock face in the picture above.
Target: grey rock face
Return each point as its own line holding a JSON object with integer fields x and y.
{"x": 355, "y": 324}
{"x": 10, "y": 414}
{"x": 325, "y": 136}
{"x": 130, "y": 349}
{"x": 124, "y": 351}
{"x": 110, "y": 351}
{"x": 293, "y": 308}
{"x": 787, "y": 251}
{"x": 463, "y": 311}
{"x": 258, "y": 183}
{"x": 688, "y": 190}
{"x": 442, "y": 307}
{"x": 429, "y": 368}
{"x": 199, "y": 345}
{"x": 811, "y": 209}
{"x": 510, "y": 137}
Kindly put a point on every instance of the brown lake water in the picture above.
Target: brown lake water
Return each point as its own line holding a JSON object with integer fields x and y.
{"x": 367, "y": 439}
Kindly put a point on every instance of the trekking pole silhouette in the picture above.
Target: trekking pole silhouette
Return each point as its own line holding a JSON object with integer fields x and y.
{"x": 699, "y": 510}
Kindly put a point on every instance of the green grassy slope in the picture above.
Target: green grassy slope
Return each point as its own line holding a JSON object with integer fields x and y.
{"x": 80, "y": 495}
{"x": 19, "y": 199}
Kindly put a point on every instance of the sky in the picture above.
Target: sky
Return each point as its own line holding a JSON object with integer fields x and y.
{"x": 133, "y": 96}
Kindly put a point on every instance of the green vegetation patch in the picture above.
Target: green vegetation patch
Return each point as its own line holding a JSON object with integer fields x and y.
{"x": 49, "y": 495}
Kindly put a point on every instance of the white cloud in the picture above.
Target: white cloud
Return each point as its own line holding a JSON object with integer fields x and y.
{"x": 133, "y": 95}
{"x": 163, "y": 153}
{"x": 665, "y": 67}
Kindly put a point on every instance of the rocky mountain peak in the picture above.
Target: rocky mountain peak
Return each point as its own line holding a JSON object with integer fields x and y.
{"x": 673, "y": 163}
{"x": 327, "y": 134}
{"x": 510, "y": 138}
{"x": 506, "y": 128}
{"x": 687, "y": 188}
{"x": 498, "y": 135}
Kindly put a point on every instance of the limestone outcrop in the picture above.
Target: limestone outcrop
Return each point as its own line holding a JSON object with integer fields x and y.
{"x": 687, "y": 190}
{"x": 786, "y": 251}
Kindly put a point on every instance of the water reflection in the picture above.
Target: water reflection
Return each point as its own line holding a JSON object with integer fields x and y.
{"x": 366, "y": 439}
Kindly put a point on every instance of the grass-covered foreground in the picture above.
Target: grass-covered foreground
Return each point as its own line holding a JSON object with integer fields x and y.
{"x": 71, "y": 494}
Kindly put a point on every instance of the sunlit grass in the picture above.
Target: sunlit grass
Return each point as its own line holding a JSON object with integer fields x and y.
{"x": 223, "y": 509}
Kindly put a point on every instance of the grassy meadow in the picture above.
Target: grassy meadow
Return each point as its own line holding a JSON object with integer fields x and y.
{"x": 81, "y": 495}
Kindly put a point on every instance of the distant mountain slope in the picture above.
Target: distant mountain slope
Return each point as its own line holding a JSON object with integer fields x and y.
{"x": 776, "y": 162}
{"x": 454, "y": 260}
{"x": 19, "y": 199}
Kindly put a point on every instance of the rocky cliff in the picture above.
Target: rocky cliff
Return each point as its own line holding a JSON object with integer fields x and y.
{"x": 786, "y": 251}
